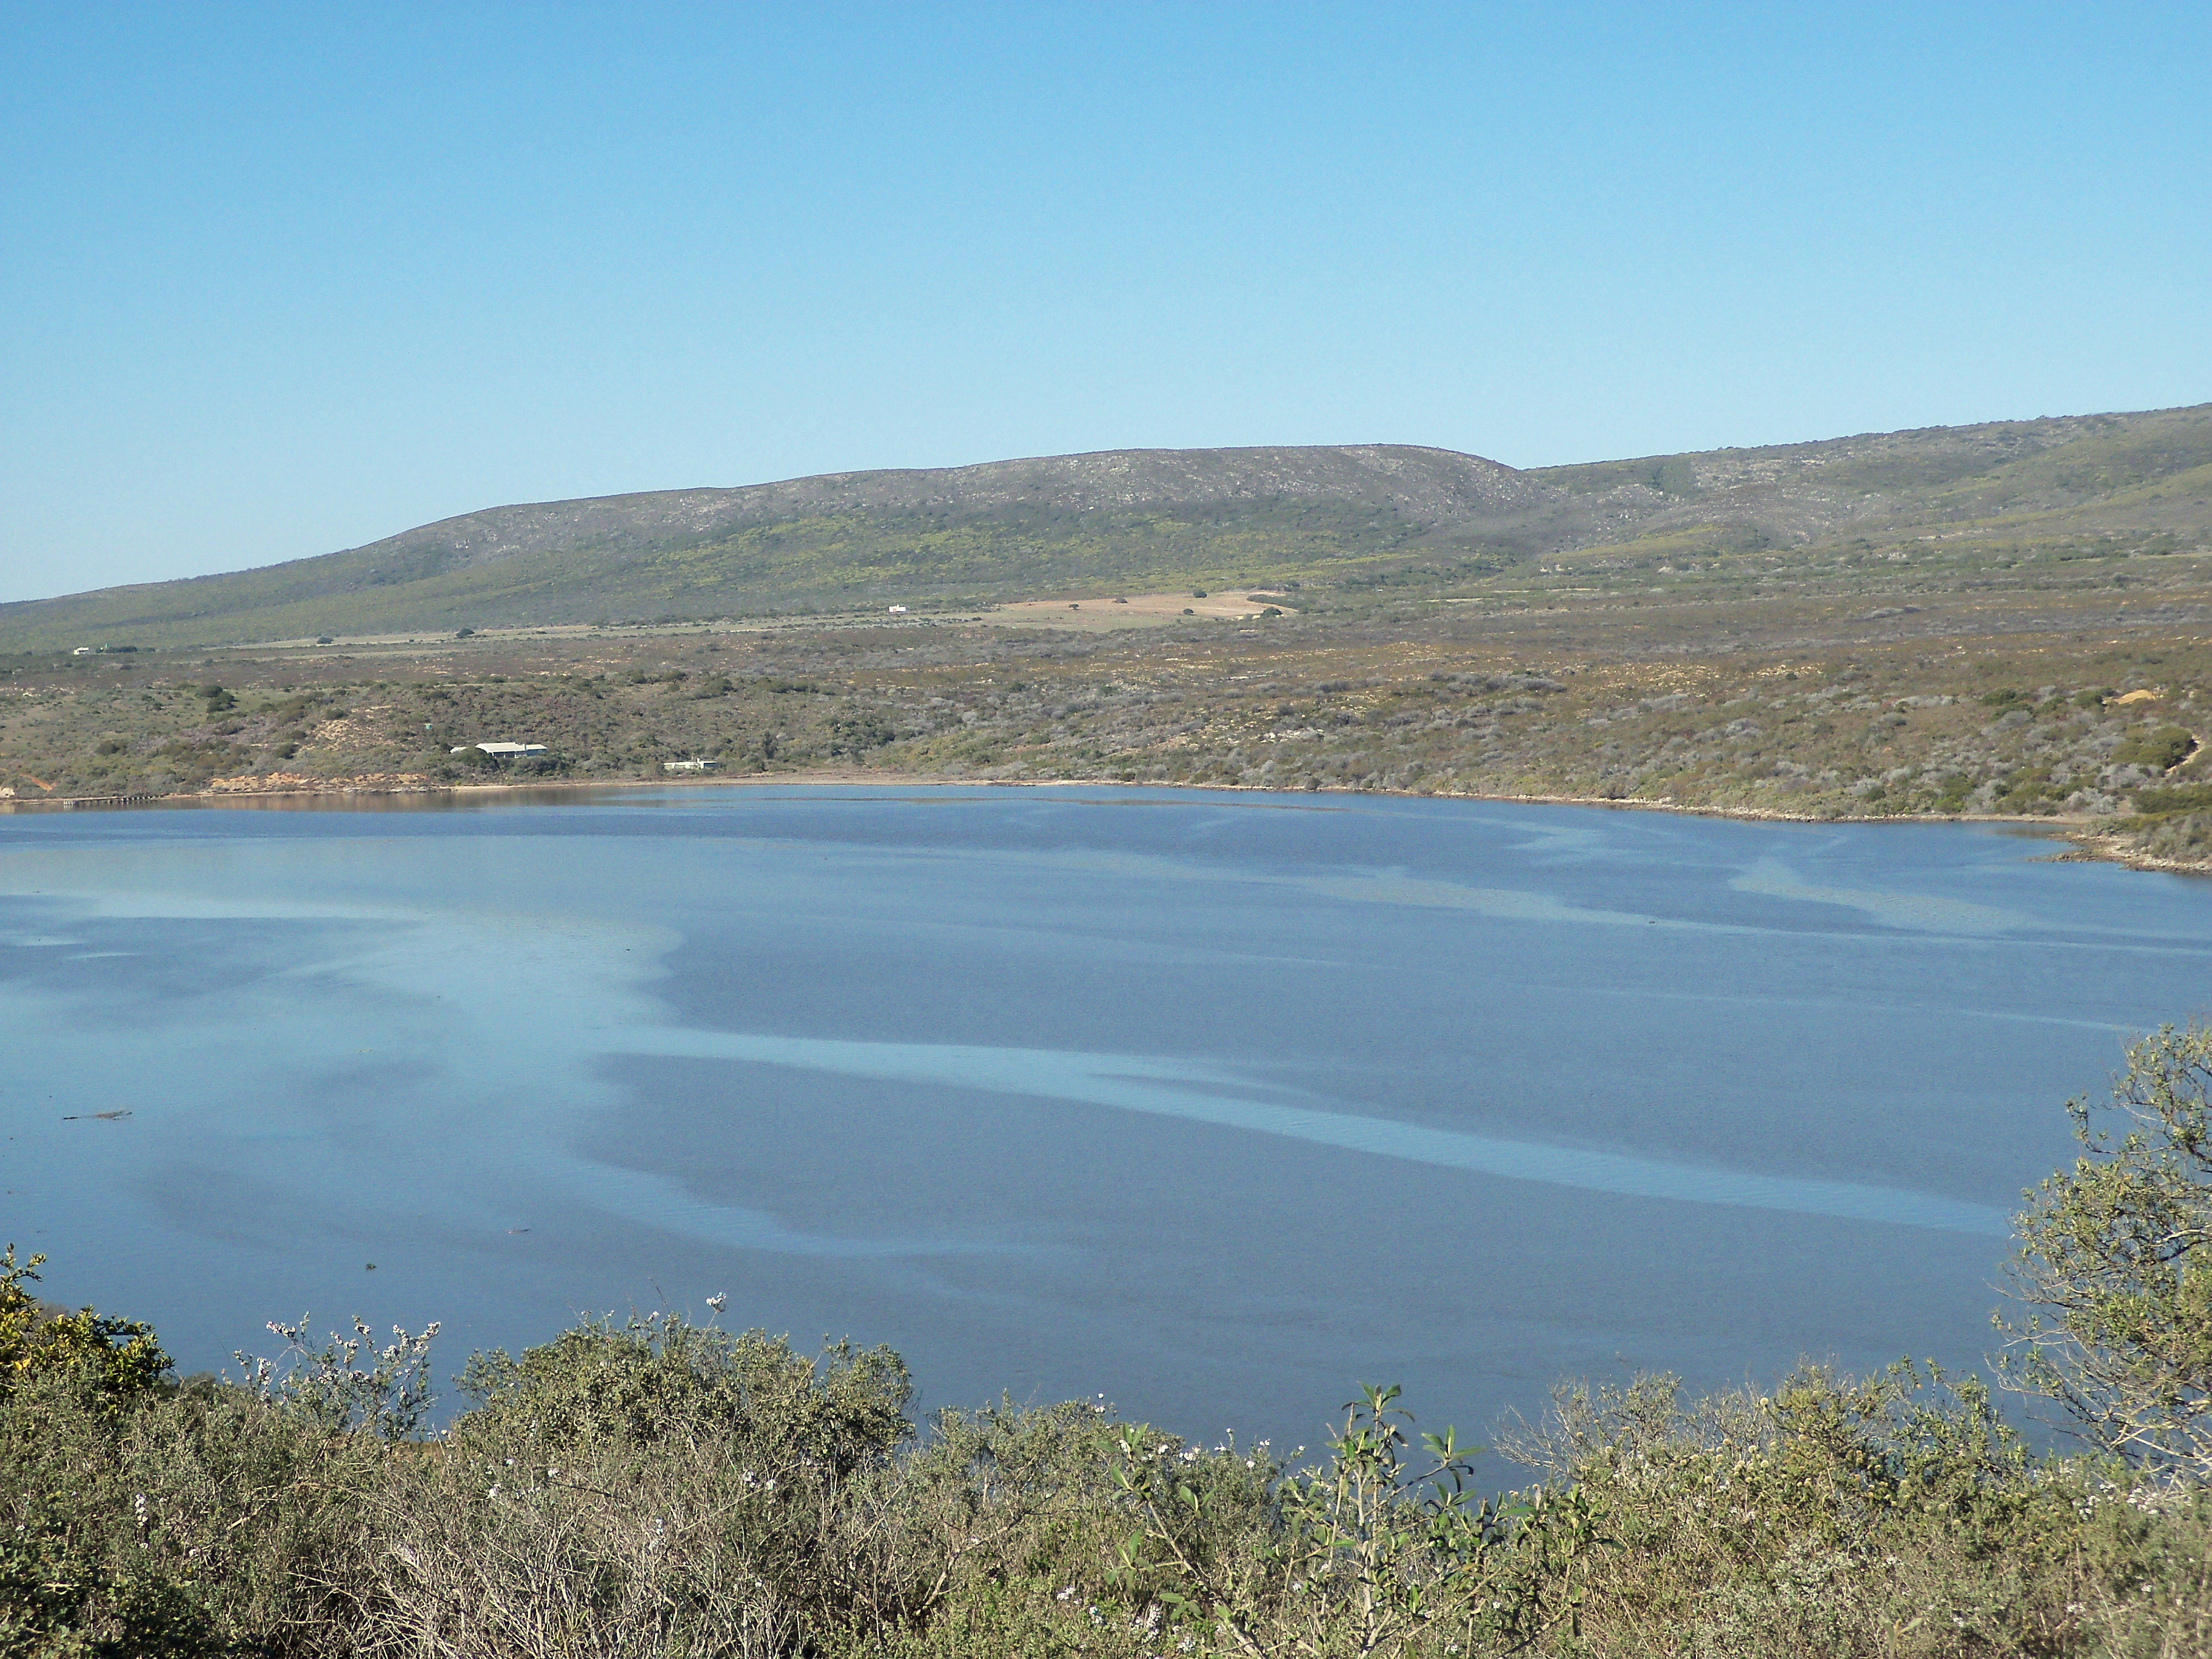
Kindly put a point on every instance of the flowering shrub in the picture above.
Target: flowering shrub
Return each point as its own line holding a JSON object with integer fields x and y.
{"x": 120, "y": 1357}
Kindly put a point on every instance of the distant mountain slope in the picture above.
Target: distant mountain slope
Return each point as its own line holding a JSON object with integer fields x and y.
{"x": 2099, "y": 471}
{"x": 1147, "y": 519}
{"x": 1429, "y": 485}
{"x": 1127, "y": 518}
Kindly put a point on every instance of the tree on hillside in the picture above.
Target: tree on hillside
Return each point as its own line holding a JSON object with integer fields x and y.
{"x": 2115, "y": 1256}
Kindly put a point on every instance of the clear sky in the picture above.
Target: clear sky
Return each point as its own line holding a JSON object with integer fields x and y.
{"x": 282, "y": 279}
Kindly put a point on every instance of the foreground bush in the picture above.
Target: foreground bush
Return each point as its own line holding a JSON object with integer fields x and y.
{"x": 663, "y": 1488}
{"x": 2113, "y": 1256}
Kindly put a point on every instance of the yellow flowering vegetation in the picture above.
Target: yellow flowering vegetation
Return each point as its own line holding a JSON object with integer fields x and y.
{"x": 121, "y": 1357}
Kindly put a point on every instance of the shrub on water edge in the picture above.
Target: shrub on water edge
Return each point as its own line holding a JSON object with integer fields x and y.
{"x": 2181, "y": 836}
{"x": 120, "y": 1357}
{"x": 2113, "y": 1258}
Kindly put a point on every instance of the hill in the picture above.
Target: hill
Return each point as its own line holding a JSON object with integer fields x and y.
{"x": 1126, "y": 520}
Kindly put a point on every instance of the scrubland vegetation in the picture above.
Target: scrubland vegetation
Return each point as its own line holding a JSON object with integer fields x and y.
{"x": 661, "y": 1487}
{"x": 2008, "y": 620}
{"x": 1833, "y": 694}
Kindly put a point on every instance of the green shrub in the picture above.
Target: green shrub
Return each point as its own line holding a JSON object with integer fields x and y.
{"x": 2183, "y": 835}
{"x": 660, "y": 1488}
{"x": 2193, "y": 798}
{"x": 2113, "y": 1257}
{"x": 2160, "y": 748}
{"x": 117, "y": 1359}
{"x": 648, "y": 1381}
{"x": 856, "y": 734}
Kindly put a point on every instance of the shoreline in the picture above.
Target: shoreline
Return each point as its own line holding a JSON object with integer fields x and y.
{"x": 2086, "y": 843}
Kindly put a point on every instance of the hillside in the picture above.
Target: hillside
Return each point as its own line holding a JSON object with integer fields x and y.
{"x": 1156, "y": 519}
{"x": 1006, "y": 529}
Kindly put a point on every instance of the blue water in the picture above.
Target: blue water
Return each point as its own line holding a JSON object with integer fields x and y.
{"x": 1214, "y": 1104}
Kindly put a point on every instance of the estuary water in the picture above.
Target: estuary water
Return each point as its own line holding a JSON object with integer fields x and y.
{"x": 1213, "y": 1104}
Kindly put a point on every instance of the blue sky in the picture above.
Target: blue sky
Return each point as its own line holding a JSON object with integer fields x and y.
{"x": 279, "y": 281}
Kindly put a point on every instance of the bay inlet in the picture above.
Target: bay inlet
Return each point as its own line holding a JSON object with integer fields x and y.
{"x": 1193, "y": 1100}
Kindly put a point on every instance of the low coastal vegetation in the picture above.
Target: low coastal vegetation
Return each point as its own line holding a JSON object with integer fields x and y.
{"x": 2048, "y": 706}
{"x": 2006, "y": 620}
{"x": 660, "y": 1486}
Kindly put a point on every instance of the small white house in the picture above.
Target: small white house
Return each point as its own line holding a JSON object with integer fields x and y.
{"x": 501, "y": 750}
{"x": 690, "y": 765}
{"x": 898, "y": 611}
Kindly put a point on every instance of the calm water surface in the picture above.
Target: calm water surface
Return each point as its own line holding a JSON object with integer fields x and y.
{"x": 1211, "y": 1104}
